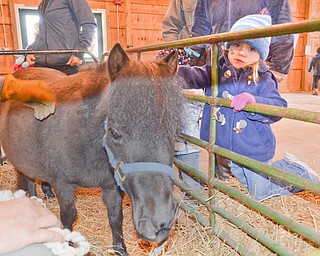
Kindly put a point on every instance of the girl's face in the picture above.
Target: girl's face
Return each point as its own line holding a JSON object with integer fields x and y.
{"x": 242, "y": 55}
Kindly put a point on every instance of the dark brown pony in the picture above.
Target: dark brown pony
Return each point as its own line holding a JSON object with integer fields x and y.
{"x": 114, "y": 127}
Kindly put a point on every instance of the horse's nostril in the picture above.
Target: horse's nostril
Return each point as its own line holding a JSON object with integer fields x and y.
{"x": 162, "y": 225}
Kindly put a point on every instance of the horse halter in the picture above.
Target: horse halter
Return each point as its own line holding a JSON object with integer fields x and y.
{"x": 122, "y": 169}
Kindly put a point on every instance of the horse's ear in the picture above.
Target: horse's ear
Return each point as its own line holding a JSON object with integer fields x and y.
{"x": 172, "y": 60}
{"x": 116, "y": 61}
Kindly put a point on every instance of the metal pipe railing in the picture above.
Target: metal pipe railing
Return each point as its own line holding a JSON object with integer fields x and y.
{"x": 248, "y": 229}
{"x": 273, "y": 30}
{"x": 295, "y": 180}
{"x": 25, "y": 52}
{"x": 308, "y": 116}
{"x": 290, "y": 113}
{"x": 293, "y": 225}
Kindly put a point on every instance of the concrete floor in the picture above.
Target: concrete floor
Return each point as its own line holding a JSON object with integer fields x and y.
{"x": 296, "y": 137}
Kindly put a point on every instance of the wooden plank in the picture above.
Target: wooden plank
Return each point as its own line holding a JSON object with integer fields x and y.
{"x": 153, "y": 2}
{"x": 149, "y": 9}
{"x": 108, "y": 28}
{"x": 146, "y": 21}
{"x": 298, "y": 8}
{"x": 129, "y": 23}
{"x": 14, "y": 29}
{"x": 297, "y": 63}
{"x": 293, "y": 83}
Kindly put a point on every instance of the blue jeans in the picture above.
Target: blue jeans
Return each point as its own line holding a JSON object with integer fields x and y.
{"x": 191, "y": 159}
{"x": 315, "y": 82}
{"x": 261, "y": 185}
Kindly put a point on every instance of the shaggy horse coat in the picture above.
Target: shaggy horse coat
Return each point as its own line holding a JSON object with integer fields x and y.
{"x": 130, "y": 109}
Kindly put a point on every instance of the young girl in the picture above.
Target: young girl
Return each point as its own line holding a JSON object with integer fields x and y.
{"x": 244, "y": 78}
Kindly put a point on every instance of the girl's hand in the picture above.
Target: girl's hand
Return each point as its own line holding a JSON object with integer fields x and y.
{"x": 240, "y": 101}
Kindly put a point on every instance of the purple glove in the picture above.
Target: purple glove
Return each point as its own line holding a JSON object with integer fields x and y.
{"x": 240, "y": 101}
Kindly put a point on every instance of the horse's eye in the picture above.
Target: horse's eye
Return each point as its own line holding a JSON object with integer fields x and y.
{"x": 114, "y": 133}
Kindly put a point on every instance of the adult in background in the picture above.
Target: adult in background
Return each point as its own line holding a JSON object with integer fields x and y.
{"x": 63, "y": 25}
{"x": 176, "y": 25}
{"x": 218, "y": 16}
{"x": 178, "y": 20}
{"x": 315, "y": 65}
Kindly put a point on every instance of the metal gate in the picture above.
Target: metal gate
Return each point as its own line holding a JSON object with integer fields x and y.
{"x": 214, "y": 184}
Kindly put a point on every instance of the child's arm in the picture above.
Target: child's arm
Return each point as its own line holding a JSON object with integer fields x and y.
{"x": 196, "y": 77}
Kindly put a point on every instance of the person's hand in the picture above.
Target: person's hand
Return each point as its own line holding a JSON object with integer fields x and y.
{"x": 25, "y": 221}
{"x": 31, "y": 59}
{"x": 34, "y": 93}
{"x": 74, "y": 61}
{"x": 194, "y": 60}
{"x": 240, "y": 101}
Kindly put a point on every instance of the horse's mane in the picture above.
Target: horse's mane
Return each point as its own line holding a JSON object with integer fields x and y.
{"x": 88, "y": 82}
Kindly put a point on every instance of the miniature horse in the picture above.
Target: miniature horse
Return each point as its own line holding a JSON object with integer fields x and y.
{"x": 114, "y": 127}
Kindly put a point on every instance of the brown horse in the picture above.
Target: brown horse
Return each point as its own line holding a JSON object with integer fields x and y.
{"x": 114, "y": 127}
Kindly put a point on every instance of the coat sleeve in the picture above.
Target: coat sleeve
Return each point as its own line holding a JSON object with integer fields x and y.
{"x": 173, "y": 22}
{"x": 202, "y": 23}
{"x": 311, "y": 64}
{"x": 281, "y": 47}
{"x": 196, "y": 77}
{"x": 85, "y": 18}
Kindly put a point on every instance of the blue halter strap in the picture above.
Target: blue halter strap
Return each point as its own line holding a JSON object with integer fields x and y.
{"x": 122, "y": 170}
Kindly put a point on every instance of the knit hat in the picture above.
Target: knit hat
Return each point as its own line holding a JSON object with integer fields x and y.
{"x": 254, "y": 21}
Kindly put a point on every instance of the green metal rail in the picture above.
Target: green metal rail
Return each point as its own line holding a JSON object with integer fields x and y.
{"x": 213, "y": 184}
{"x": 25, "y": 52}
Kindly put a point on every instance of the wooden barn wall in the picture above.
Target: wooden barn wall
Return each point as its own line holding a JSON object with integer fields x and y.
{"x": 140, "y": 24}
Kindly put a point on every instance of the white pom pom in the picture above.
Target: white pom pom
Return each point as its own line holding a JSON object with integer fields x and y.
{"x": 6, "y": 195}
{"x": 20, "y": 60}
{"x": 52, "y": 245}
{"x": 25, "y": 64}
{"x": 19, "y": 194}
{"x": 78, "y": 239}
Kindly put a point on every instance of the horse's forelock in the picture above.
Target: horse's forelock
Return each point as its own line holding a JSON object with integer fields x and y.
{"x": 144, "y": 91}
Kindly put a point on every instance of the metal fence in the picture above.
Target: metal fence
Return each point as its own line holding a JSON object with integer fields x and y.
{"x": 210, "y": 180}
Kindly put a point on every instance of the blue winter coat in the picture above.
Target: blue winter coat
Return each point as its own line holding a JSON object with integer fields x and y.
{"x": 257, "y": 140}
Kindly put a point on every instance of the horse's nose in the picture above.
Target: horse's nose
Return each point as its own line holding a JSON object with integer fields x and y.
{"x": 147, "y": 230}
{"x": 154, "y": 231}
